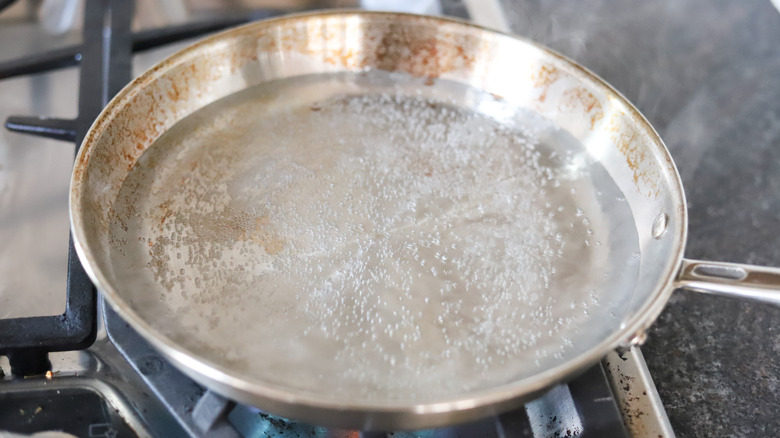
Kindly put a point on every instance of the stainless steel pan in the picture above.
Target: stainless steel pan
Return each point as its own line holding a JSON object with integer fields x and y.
{"x": 383, "y": 221}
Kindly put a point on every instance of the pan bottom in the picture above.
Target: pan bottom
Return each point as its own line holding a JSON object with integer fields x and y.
{"x": 373, "y": 237}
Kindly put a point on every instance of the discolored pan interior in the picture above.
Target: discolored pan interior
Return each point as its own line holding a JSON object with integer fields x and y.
{"x": 381, "y": 214}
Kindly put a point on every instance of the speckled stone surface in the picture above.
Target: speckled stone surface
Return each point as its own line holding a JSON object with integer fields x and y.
{"x": 706, "y": 73}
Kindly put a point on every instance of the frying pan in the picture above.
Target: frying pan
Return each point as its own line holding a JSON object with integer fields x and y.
{"x": 383, "y": 221}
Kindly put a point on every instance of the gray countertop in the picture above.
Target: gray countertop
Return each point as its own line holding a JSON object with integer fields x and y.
{"x": 707, "y": 75}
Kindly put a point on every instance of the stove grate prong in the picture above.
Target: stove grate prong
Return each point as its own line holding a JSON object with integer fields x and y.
{"x": 54, "y": 128}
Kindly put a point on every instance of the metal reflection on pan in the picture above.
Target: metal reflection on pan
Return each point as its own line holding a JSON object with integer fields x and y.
{"x": 377, "y": 220}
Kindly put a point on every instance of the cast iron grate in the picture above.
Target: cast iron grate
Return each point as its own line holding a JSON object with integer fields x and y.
{"x": 105, "y": 58}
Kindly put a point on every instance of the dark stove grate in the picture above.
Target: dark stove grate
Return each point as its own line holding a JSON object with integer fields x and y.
{"x": 105, "y": 68}
{"x": 105, "y": 57}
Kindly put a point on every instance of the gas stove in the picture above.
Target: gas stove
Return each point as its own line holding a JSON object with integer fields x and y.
{"x": 85, "y": 371}
{"x": 122, "y": 387}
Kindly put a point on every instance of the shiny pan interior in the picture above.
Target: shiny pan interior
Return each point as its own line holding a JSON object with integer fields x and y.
{"x": 377, "y": 220}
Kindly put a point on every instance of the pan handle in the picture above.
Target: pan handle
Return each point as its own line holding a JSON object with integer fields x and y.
{"x": 757, "y": 283}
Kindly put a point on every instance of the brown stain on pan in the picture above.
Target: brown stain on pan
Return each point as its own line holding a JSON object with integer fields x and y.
{"x": 412, "y": 46}
{"x": 631, "y": 144}
{"x": 627, "y": 145}
{"x": 627, "y": 137}
{"x": 580, "y": 99}
{"x": 428, "y": 57}
{"x": 544, "y": 78}
{"x": 265, "y": 237}
{"x": 577, "y": 99}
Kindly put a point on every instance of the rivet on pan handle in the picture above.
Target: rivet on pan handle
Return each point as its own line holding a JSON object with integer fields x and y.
{"x": 757, "y": 283}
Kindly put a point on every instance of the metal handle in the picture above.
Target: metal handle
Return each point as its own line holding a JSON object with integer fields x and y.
{"x": 757, "y": 283}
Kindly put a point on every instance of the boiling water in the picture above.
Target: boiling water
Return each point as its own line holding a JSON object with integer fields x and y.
{"x": 370, "y": 237}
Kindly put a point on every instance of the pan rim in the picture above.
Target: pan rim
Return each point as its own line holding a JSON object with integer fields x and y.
{"x": 310, "y": 405}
